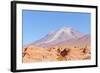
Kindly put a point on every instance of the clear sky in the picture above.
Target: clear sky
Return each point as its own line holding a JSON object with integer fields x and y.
{"x": 37, "y": 24}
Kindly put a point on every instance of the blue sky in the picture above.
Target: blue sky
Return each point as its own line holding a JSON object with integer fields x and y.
{"x": 37, "y": 24}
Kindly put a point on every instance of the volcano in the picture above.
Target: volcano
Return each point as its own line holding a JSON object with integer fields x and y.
{"x": 62, "y": 36}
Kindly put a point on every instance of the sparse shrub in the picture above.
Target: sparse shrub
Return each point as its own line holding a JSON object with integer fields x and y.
{"x": 23, "y": 54}
{"x": 84, "y": 50}
{"x": 60, "y": 58}
{"x": 75, "y": 47}
{"x": 64, "y": 52}
{"x": 53, "y": 48}
{"x": 49, "y": 49}
{"x": 58, "y": 50}
{"x": 25, "y": 49}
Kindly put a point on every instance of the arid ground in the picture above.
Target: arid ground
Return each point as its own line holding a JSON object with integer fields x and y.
{"x": 37, "y": 54}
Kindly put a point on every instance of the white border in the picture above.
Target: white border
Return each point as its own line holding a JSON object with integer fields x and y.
{"x": 21, "y": 65}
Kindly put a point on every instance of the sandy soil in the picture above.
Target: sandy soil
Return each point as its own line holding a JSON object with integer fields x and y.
{"x": 38, "y": 54}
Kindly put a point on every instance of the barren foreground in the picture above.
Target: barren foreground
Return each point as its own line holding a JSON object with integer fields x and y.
{"x": 38, "y": 54}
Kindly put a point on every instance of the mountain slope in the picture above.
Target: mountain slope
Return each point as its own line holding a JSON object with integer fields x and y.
{"x": 82, "y": 41}
{"x": 65, "y": 33}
